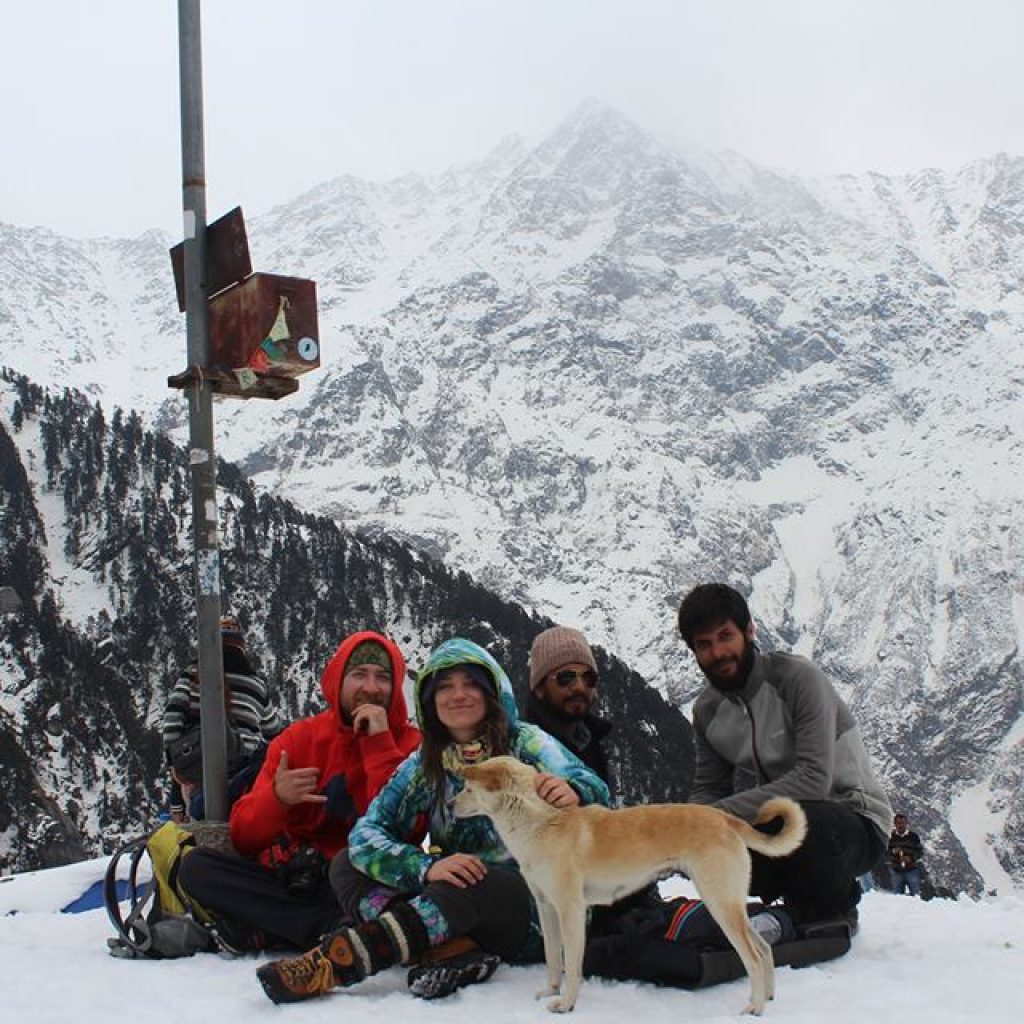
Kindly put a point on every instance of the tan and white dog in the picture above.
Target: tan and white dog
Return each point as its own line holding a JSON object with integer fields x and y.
{"x": 572, "y": 858}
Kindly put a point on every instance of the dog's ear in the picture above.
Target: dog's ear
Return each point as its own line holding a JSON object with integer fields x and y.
{"x": 493, "y": 776}
{"x": 520, "y": 772}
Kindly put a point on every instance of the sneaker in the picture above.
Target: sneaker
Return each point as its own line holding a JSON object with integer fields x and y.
{"x": 334, "y": 962}
{"x": 438, "y": 978}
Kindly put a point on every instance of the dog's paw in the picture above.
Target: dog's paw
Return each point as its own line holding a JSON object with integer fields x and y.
{"x": 753, "y": 1009}
{"x": 561, "y": 1005}
{"x": 550, "y": 990}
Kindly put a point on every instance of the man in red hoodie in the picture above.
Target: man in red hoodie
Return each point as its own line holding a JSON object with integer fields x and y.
{"x": 319, "y": 776}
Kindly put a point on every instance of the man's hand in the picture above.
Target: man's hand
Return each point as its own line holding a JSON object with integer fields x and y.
{"x": 556, "y": 791}
{"x": 296, "y": 785}
{"x": 369, "y": 719}
{"x": 459, "y": 869}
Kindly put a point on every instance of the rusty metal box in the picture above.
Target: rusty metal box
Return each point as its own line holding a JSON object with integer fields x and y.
{"x": 267, "y": 324}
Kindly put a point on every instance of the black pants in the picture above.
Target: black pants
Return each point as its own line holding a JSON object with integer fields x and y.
{"x": 819, "y": 880}
{"x": 497, "y": 913}
{"x": 250, "y": 897}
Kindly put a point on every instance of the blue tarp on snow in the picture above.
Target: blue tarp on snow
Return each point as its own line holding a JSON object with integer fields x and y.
{"x": 92, "y": 898}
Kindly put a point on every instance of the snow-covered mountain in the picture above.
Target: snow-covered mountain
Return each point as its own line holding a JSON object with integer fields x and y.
{"x": 595, "y": 370}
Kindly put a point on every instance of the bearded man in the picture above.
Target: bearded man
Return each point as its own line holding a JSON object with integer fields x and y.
{"x": 773, "y": 725}
{"x": 319, "y": 776}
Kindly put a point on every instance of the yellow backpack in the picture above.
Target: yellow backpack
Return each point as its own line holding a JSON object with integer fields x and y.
{"x": 162, "y": 921}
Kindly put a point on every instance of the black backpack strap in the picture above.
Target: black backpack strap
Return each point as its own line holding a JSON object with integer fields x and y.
{"x": 133, "y": 936}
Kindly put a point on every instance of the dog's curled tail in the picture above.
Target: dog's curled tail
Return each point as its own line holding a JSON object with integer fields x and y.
{"x": 791, "y": 835}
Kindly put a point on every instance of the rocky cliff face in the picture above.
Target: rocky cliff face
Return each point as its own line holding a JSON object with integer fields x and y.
{"x": 596, "y": 370}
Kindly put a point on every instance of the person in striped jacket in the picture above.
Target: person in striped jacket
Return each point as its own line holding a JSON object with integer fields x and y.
{"x": 252, "y": 718}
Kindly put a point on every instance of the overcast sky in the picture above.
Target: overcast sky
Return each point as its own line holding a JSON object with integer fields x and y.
{"x": 300, "y": 91}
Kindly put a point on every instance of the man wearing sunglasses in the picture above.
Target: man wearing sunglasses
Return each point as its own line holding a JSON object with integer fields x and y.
{"x": 563, "y": 687}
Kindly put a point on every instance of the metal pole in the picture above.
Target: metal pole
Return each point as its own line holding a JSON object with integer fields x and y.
{"x": 201, "y": 452}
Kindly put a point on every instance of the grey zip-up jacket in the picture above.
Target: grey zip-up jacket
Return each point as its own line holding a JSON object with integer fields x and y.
{"x": 786, "y": 733}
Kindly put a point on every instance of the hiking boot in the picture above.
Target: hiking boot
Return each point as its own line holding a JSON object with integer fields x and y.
{"x": 346, "y": 956}
{"x": 435, "y": 978}
{"x": 334, "y": 962}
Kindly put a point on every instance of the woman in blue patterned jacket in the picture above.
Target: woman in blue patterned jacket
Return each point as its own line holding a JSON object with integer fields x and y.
{"x": 410, "y": 900}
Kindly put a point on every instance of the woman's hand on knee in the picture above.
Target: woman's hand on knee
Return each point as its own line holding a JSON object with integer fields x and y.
{"x": 459, "y": 869}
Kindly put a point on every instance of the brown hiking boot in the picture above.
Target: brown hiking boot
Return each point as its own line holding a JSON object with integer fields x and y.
{"x": 347, "y": 956}
{"x": 336, "y": 961}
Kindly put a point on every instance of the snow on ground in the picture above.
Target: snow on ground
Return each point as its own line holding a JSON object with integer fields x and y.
{"x": 940, "y": 962}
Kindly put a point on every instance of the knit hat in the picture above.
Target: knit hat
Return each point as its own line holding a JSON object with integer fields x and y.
{"x": 477, "y": 673}
{"x": 231, "y": 631}
{"x": 369, "y": 652}
{"x": 555, "y": 647}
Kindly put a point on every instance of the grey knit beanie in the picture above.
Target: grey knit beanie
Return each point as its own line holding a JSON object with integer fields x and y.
{"x": 557, "y": 646}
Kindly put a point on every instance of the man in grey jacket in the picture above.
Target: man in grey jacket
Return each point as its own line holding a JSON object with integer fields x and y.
{"x": 773, "y": 725}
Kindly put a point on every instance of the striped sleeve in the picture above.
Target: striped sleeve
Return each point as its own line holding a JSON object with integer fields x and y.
{"x": 249, "y": 706}
{"x": 181, "y": 712}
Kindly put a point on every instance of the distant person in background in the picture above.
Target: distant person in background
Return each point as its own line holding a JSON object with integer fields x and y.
{"x": 905, "y": 852}
{"x": 563, "y": 690}
{"x": 252, "y": 719}
{"x": 318, "y": 778}
{"x": 773, "y": 725}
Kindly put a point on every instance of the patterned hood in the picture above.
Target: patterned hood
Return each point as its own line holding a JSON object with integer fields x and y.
{"x": 462, "y": 652}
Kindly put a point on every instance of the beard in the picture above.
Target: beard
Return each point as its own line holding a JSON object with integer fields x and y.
{"x": 360, "y": 698}
{"x": 576, "y": 706}
{"x": 569, "y": 710}
{"x": 719, "y": 676}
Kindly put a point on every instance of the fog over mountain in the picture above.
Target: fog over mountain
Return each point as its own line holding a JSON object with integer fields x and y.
{"x": 595, "y": 370}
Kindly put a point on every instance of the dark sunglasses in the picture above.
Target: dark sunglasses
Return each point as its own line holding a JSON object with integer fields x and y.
{"x": 568, "y": 676}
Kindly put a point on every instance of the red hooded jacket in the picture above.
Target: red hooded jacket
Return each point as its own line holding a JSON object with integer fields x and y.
{"x": 352, "y": 768}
